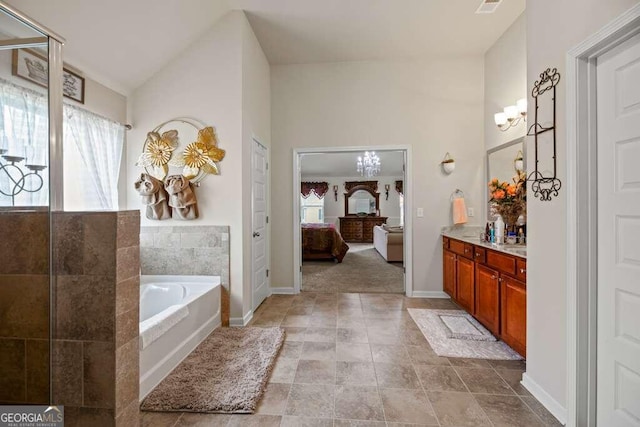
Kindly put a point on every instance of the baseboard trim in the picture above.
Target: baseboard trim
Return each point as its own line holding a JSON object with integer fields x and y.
{"x": 552, "y": 405}
{"x": 430, "y": 294}
{"x": 241, "y": 321}
{"x": 283, "y": 291}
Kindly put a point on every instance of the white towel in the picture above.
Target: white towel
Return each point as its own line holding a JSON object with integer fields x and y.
{"x": 459, "y": 211}
{"x": 155, "y": 326}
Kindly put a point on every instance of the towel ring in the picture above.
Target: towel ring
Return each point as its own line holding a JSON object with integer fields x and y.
{"x": 456, "y": 194}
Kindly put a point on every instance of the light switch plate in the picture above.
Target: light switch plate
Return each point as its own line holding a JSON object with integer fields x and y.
{"x": 470, "y": 212}
{"x": 420, "y": 212}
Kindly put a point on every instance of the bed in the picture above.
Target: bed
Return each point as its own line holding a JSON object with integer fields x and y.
{"x": 322, "y": 241}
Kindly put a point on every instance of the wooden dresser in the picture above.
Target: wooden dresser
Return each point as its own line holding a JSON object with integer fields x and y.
{"x": 490, "y": 285}
{"x": 359, "y": 229}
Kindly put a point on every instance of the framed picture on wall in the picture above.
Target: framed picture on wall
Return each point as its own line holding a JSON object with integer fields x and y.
{"x": 34, "y": 67}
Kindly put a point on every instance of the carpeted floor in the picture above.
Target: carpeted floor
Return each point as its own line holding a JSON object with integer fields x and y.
{"x": 226, "y": 373}
{"x": 361, "y": 270}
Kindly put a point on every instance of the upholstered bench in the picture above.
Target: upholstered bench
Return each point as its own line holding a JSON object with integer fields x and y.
{"x": 388, "y": 241}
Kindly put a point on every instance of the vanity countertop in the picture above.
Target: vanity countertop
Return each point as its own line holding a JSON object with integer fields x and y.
{"x": 471, "y": 234}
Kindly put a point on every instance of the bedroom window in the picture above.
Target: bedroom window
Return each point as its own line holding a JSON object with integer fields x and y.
{"x": 92, "y": 150}
{"x": 311, "y": 209}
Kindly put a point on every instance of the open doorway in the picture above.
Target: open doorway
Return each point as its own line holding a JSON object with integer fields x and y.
{"x": 350, "y": 222}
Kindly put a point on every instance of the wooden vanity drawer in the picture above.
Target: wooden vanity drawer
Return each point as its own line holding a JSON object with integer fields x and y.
{"x": 479, "y": 254}
{"x": 504, "y": 263}
{"x": 445, "y": 243}
{"x": 521, "y": 269}
{"x": 461, "y": 248}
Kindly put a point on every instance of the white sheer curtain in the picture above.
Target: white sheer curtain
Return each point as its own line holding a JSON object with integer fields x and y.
{"x": 92, "y": 148}
{"x": 24, "y": 132}
{"x": 99, "y": 143}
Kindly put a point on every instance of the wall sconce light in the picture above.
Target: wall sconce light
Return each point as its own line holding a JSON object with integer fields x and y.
{"x": 335, "y": 192}
{"x": 386, "y": 190}
{"x": 448, "y": 164}
{"x": 511, "y": 115}
{"x": 518, "y": 162}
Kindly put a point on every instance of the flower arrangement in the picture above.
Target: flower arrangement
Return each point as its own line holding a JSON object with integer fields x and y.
{"x": 509, "y": 200}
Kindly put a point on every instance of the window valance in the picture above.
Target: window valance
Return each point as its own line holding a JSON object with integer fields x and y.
{"x": 318, "y": 188}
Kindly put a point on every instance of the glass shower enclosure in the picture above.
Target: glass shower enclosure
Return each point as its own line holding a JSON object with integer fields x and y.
{"x": 30, "y": 194}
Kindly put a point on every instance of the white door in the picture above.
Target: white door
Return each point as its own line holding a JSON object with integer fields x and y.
{"x": 618, "y": 358}
{"x": 260, "y": 283}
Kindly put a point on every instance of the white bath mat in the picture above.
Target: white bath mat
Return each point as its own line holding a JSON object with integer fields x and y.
{"x": 464, "y": 327}
{"x": 435, "y": 331}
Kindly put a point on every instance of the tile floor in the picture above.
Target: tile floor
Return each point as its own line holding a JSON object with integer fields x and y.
{"x": 359, "y": 360}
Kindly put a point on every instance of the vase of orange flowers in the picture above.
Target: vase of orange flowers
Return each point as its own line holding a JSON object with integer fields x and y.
{"x": 509, "y": 200}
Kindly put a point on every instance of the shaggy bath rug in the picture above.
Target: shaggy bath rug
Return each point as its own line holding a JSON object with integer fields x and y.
{"x": 436, "y": 332}
{"x": 226, "y": 373}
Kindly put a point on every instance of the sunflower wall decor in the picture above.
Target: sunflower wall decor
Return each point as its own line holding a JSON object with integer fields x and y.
{"x": 192, "y": 161}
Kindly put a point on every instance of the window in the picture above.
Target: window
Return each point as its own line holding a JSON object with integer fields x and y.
{"x": 92, "y": 151}
{"x": 311, "y": 209}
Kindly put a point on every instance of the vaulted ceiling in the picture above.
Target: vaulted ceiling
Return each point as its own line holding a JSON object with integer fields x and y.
{"x": 122, "y": 43}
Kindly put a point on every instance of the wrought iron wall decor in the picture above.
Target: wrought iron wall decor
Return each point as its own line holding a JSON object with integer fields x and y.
{"x": 544, "y": 186}
{"x": 19, "y": 180}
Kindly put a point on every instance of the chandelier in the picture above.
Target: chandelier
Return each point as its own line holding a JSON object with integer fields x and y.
{"x": 369, "y": 165}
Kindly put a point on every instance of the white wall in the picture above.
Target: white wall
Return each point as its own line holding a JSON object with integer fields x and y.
{"x": 505, "y": 81}
{"x": 256, "y": 123}
{"x": 206, "y": 83}
{"x": 553, "y": 28}
{"x": 434, "y": 106}
{"x": 334, "y": 209}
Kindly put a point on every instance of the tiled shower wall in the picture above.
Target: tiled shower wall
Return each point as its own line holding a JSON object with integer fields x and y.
{"x": 95, "y": 332}
{"x": 188, "y": 251}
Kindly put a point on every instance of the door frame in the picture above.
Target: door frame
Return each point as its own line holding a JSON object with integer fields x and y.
{"x": 581, "y": 225}
{"x": 255, "y": 140}
{"x": 408, "y": 218}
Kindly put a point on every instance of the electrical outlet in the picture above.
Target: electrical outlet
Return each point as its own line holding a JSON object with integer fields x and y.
{"x": 470, "y": 212}
{"x": 419, "y": 212}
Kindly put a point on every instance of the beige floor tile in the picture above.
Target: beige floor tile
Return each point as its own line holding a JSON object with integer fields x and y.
{"x": 290, "y": 350}
{"x": 323, "y": 321}
{"x": 541, "y": 411}
{"x": 355, "y": 373}
{"x": 439, "y": 378}
{"x": 274, "y": 400}
{"x": 316, "y": 372}
{"x": 319, "y": 351}
{"x": 158, "y": 419}
{"x": 380, "y": 335}
{"x": 407, "y": 406}
{"x": 396, "y": 376}
{"x": 284, "y": 371}
{"x": 513, "y": 378}
{"x": 311, "y": 401}
{"x": 294, "y": 320}
{"x": 300, "y": 310}
{"x": 292, "y": 421}
{"x": 352, "y": 335}
{"x": 358, "y": 403}
{"x": 413, "y": 337}
{"x": 351, "y": 322}
{"x": 203, "y": 420}
{"x": 508, "y": 411}
{"x": 423, "y": 355}
{"x": 479, "y": 380}
{"x": 469, "y": 363}
{"x": 457, "y": 409}
{"x": 358, "y": 423}
{"x": 508, "y": 364}
{"x": 293, "y": 333}
{"x": 254, "y": 420}
{"x": 320, "y": 334}
{"x": 351, "y": 352}
{"x": 396, "y": 354}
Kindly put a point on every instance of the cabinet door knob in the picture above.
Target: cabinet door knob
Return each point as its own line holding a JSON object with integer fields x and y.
{"x": 478, "y": 254}
{"x": 522, "y": 270}
{"x": 466, "y": 250}
{"x": 493, "y": 277}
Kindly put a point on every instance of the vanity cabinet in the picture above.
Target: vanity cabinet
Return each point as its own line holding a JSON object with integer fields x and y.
{"x": 488, "y": 298}
{"x": 490, "y": 285}
{"x": 459, "y": 276}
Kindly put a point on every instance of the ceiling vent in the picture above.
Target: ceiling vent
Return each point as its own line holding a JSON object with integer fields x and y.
{"x": 488, "y": 6}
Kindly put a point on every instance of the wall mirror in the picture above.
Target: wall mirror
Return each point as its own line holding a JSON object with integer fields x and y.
{"x": 503, "y": 162}
{"x": 361, "y": 198}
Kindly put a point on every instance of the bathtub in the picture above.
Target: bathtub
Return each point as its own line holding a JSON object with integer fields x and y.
{"x": 176, "y": 314}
